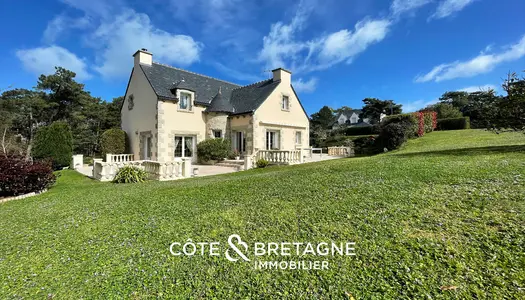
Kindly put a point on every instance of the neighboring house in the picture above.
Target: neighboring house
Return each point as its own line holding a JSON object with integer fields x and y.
{"x": 168, "y": 111}
{"x": 350, "y": 118}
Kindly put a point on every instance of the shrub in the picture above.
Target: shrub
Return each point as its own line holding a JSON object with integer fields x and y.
{"x": 361, "y": 130}
{"x": 409, "y": 122}
{"x": 262, "y": 163}
{"x": 19, "y": 176}
{"x": 213, "y": 149}
{"x": 453, "y": 123}
{"x": 113, "y": 141}
{"x": 366, "y": 145}
{"x": 54, "y": 142}
{"x": 393, "y": 135}
{"x": 130, "y": 174}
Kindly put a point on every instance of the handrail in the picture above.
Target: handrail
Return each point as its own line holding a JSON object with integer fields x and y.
{"x": 162, "y": 171}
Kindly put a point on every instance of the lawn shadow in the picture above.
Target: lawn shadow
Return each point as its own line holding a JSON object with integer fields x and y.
{"x": 468, "y": 151}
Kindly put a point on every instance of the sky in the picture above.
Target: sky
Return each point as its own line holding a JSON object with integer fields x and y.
{"x": 339, "y": 51}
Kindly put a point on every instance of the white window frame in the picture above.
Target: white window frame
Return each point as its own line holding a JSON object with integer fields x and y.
{"x": 214, "y": 131}
{"x": 298, "y": 138}
{"x": 183, "y": 138}
{"x": 275, "y": 140}
{"x": 189, "y": 105}
{"x": 285, "y": 105}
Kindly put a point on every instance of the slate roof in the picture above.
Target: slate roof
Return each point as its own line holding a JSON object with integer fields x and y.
{"x": 349, "y": 113}
{"x": 220, "y": 104}
{"x": 233, "y": 98}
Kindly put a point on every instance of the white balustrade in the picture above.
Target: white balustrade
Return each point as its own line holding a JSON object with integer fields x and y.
{"x": 118, "y": 158}
{"x": 281, "y": 157}
{"x": 340, "y": 151}
{"x": 162, "y": 171}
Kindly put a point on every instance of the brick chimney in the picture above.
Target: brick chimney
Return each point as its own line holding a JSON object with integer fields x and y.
{"x": 283, "y": 75}
{"x": 143, "y": 57}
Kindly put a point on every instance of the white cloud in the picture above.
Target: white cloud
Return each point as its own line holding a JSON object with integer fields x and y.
{"x": 417, "y": 105}
{"x": 302, "y": 86}
{"x": 116, "y": 41}
{"x": 483, "y": 63}
{"x": 399, "y": 7}
{"x": 449, "y": 7}
{"x": 472, "y": 89}
{"x": 282, "y": 48}
{"x": 60, "y": 24}
{"x": 43, "y": 60}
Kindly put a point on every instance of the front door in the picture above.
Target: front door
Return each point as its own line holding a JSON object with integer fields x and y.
{"x": 239, "y": 142}
{"x": 147, "y": 149}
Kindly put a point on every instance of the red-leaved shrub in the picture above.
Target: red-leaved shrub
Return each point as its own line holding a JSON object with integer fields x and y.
{"x": 18, "y": 176}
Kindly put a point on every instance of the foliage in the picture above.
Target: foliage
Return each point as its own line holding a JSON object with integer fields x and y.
{"x": 453, "y": 123}
{"x": 397, "y": 129}
{"x": 262, "y": 163}
{"x": 409, "y": 121}
{"x": 113, "y": 141}
{"x": 444, "y": 110}
{"x": 322, "y": 119}
{"x": 423, "y": 217}
{"x": 511, "y": 109}
{"x": 58, "y": 97}
{"x": 130, "y": 174}
{"x": 361, "y": 130}
{"x": 482, "y": 109}
{"x": 54, "y": 142}
{"x": 457, "y": 99}
{"x": 213, "y": 149}
{"x": 393, "y": 135}
{"x": 20, "y": 176}
{"x": 366, "y": 145}
{"x": 373, "y": 108}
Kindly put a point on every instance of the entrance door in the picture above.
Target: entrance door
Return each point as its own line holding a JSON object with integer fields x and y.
{"x": 147, "y": 149}
{"x": 239, "y": 142}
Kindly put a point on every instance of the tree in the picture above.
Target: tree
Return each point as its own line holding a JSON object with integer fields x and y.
{"x": 444, "y": 110}
{"x": 511, "y": 108}
{"x": 458, "y": 99}
{"x": 54, "y": 142}
{"x": 482, "y": 108}
{"x": 342, "y": 109}
{"x": 323, "y": 119}
{"x": 374, "y": 107}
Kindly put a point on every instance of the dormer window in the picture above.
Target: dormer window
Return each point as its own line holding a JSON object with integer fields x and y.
{"x": 185, "y": 102}
{"x": 285, "y": 103}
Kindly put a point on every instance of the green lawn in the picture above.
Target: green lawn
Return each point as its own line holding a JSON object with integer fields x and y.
{"x": 447, "y": 210}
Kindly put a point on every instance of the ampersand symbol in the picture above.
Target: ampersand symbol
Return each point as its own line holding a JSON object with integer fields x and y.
{"x": 234, "y": 247}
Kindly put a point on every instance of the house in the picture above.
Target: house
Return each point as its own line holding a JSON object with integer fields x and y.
{"x": 167, "y": 111}
{"x": 350, "y": 118}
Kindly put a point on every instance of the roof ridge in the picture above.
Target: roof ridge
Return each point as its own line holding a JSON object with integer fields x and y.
{"x": 179, "y": 69}
{"x": 252, "y": 84}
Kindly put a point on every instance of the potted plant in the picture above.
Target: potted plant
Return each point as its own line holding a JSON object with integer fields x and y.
{"x": 237, "y": 155}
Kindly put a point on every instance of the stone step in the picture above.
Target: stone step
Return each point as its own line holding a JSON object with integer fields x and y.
{"x": 233, "y": 162}
{"x": 231, "y": 165}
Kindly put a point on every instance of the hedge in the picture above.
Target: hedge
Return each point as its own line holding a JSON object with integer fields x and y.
{"x": 55, "y": 143}
{"x": 361, "y": 130}
{"x": 453, "y": 123}
{"x": 113, "y": 141}
{"x": 20, "y": 176}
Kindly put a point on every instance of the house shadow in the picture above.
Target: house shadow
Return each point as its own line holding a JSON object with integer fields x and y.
{"x": 468, "y": 151}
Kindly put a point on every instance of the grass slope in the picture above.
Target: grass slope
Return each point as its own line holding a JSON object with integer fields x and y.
{"x": 446, "y": 210}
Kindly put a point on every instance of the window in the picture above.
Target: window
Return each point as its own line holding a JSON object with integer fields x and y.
{"x": 285, "y": 103}
{"x": 272, "y": 140}
{"x": 217, "y": 134}
{"x": 298, "y": 138}
{"x": 354, "y": 120}
{"x": 185, "y": 101}
{"x": 183, "y": 146}
{"x": 239, "y": 141}
{"x": 147, "y": 148}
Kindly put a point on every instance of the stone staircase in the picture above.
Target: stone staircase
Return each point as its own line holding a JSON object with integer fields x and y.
{"x": 239, "y": 164}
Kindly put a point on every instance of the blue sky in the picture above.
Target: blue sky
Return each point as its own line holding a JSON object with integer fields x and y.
{"x": 340, "y": 52}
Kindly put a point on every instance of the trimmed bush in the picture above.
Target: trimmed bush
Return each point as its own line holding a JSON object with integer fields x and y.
{"x": 393, "y": 135}
{"x": 130, "y": 174}
{"x": 20, "y": 177}
{"x": 409, "y": 121}
{"x": 55, "y": 143}
{"x": 213, "y": 149}
{"x": 262, "y": 163}
{"x": 366, "y": 145}
{"x": 453, "y": 123}
{"x": 113, "y": 141}
{"x": 361, "y": 130}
